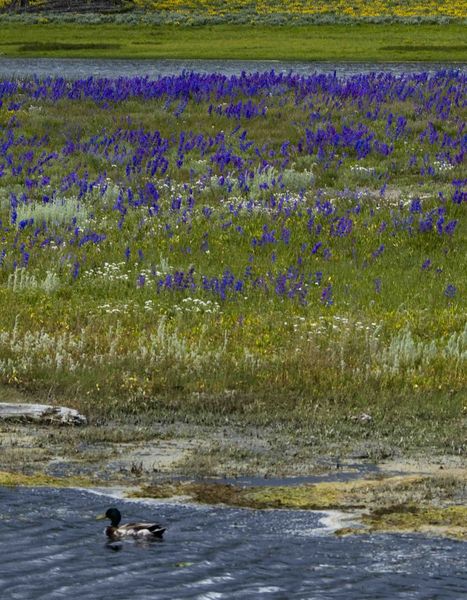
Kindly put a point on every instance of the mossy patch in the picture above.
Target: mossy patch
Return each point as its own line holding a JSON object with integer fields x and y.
{"x": 312, "y": 497}
{"x": 450, "y": 521}
{"x": 402, "y": 503}
{"x": 41, "y": 480}
{"x": 320, "y": 496}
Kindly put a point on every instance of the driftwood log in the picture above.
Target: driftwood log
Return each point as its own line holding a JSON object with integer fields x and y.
{"x": 61, "y": 6}
{"x": 40, "y": 413}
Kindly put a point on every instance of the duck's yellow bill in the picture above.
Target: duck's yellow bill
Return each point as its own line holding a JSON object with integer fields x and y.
{"x": 100, "y": 517}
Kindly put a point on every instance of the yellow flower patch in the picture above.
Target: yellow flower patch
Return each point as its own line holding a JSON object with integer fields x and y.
{"x": 357, "y": 8}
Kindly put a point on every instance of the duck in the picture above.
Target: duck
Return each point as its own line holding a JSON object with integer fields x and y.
{"x": 115, "y": 531}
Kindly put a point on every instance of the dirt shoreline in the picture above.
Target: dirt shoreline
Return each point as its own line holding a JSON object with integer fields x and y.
{"x": 118, "y": 452}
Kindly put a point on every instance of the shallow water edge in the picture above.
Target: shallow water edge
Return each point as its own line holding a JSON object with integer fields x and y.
{"x": 57, "y": 550}
{"x": 363, "y": 504}
{"x": 77, "y": 68}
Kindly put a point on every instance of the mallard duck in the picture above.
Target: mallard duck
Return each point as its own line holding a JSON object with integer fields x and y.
{"x": 115, "y": 531}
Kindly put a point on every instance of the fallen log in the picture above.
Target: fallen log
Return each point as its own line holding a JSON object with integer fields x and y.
{"x": 40, "y": 413}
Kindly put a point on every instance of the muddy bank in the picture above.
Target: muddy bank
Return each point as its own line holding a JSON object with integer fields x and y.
{"x": 373, "y": 483}
{"x": 117, "y": 452}
{"x": 249, "y": 467}
{"x": 144, "y": 453}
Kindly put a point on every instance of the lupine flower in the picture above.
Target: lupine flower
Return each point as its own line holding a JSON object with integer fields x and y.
{"x": 378, "y": 251}
{"x": 450, "y": 227}
{"x": 234, "y": 172}
{"x": 326, "y": 296}
{"x": 450, "y": 291}
{"x": 426, "y": 265}
{"x": 415, "y": 205}
{"x": 75, "y": 271}
{"x": 342, "y": 227}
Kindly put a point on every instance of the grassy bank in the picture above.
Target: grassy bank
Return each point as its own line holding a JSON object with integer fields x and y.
{"x": 361, "y": 42}
{"x": 266, "y": 249}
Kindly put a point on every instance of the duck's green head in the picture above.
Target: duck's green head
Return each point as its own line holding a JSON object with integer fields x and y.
{"x": 113, "y": 514}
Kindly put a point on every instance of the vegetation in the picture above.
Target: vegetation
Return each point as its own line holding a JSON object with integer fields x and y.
{"x": 278, "y": 12}
{"x": 299, "y": 30}
{"x": 366, "y": 42}
{"x": 395, "y": 504}
{"x": 265, "y": 247}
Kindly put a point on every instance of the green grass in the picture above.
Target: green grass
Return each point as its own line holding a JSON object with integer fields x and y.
{"x": 362, "y": 42}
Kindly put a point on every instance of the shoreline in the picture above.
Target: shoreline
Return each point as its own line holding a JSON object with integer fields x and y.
{"x": 158, "y": 445}
{"x": 418, "y": 493}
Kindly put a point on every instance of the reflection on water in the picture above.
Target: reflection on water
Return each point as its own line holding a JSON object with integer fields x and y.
{"x": 76, "y": 68}
{"x": 56, "y": 549}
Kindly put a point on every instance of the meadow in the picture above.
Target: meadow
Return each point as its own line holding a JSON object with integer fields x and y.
{"x": 267, "y": 247}
{"x": 335, "y": 42}
{"x": 387, "y": 30}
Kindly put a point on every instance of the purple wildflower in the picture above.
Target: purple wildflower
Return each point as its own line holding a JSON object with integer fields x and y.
{"x": 426, "y": 265}
{"x": 450, "y": 291}
{"x": 326, "y": 296}
{"x": 75, "y": 271}
{"x": 378, "y": 251}
{"x": 416, "y": 205}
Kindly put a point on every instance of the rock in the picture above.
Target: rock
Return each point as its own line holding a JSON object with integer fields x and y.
{"x": 362, "y": 418}
{"x": 41, "y": 413}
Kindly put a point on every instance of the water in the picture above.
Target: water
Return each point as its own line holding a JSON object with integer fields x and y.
{"x": 76, "y": 68}
{"x": 52, "y": 548}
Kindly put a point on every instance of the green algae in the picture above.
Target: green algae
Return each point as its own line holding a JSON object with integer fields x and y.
{"x": 450, "y": 521}
{"x": 320, "y": 496}
{"x": 9, "y": 479}
{"x": 392, "y": 504}
{"x": 203, "y": 493}
{"x": 309, "y": 497}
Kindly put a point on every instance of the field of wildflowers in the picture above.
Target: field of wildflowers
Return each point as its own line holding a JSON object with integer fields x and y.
{"x": 197, "y": 12}
{"x": 357, "y": 8}
{"x": 258, "y": 244}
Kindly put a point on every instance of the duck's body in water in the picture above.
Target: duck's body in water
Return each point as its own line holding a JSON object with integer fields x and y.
{"x": 115, "y": 531}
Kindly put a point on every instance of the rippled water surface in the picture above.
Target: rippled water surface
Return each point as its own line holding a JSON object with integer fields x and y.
{"x": 76, "y": 68}
{"x": 52, "y": 547}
